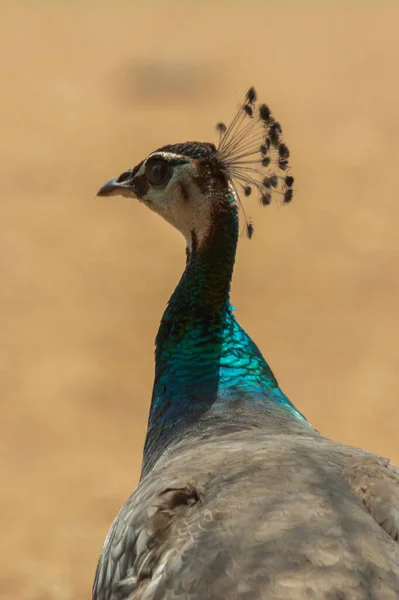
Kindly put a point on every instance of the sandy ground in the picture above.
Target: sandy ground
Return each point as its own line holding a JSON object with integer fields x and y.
{"x": 88, "y": 89}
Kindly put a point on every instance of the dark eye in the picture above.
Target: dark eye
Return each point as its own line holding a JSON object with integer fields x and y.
{"x": 159, "y": 173}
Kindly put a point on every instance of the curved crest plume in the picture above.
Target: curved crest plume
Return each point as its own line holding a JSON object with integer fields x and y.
{"x": 252, "y": 153}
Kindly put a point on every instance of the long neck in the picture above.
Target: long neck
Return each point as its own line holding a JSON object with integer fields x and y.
{"x": 206, "y": 366}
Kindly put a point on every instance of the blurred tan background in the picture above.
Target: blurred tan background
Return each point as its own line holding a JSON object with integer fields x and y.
{"x": 88, "y": 89}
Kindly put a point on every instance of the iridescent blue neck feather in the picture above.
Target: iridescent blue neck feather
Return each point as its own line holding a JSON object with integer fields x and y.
{"x": 208, "y": 371}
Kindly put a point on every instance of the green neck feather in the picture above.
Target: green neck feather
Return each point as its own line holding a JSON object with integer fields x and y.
{"x": 206, "y": 366}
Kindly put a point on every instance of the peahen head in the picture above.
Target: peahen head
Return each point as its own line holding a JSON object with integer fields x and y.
{"x": 193, "y": 184}
{"x": 206, "y": 365}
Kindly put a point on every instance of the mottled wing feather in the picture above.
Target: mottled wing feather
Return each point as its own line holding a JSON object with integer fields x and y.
{"x": 138, "y": 538}
{"x": 377, "y": 483}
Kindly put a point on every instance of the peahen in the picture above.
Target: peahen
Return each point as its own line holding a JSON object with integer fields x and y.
{"x": 239, "y": 496}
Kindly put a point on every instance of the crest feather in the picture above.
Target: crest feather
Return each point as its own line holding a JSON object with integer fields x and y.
{"x": 252, "y": 154}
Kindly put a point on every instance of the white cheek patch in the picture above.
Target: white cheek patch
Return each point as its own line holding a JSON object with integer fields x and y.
{"x": 187, "y": 210}
{"x": 192, "y": 214}
{"x": 187, "y": 215}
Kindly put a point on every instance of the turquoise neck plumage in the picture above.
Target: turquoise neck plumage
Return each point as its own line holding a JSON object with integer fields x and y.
{"x": 205, "y": 363}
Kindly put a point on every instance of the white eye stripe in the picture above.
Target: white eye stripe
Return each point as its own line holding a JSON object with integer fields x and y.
{"x": 164, "y": 155}
{"x": 167, "y": 156}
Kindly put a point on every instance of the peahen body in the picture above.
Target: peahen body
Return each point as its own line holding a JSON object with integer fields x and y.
{"x": 239, "y": 497}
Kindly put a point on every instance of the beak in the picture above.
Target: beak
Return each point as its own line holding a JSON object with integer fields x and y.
{"x": 115, "y": 188}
